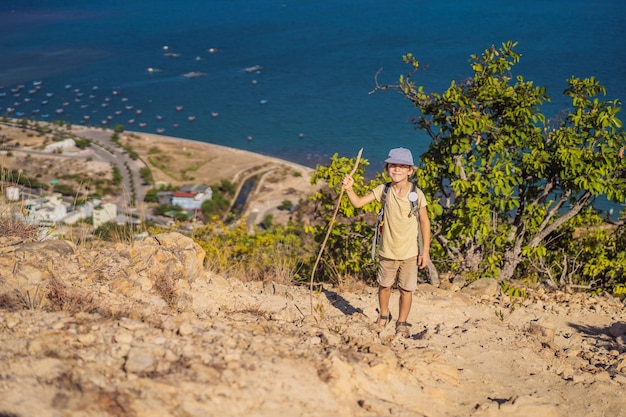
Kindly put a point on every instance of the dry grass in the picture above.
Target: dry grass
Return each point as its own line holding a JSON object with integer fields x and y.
{"x": 165, "y": 285}
{"x": 73, "y": 300}
{"x": 14, "y": 227}
{"x": 10, "y": 302}
{"x": 29, "y": 301}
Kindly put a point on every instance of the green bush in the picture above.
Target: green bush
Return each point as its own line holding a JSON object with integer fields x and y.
{"x": 278, "y": 253}
{"x": 286, "y": 205}
{"x": 151, "y": 196}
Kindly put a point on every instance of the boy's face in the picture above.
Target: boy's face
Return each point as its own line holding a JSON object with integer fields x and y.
{"x": 398, "y": 172}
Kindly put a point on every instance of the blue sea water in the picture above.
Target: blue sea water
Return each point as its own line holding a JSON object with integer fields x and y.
{"x": 311, "y": 98}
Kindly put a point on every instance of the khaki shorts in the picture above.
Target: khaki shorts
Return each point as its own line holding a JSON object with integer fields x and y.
{"x": 405, "y": 270}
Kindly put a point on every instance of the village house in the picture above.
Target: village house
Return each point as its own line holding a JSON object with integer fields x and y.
{"x": 103, "y": 213}
{"x": 45, "y": 211}
{"x": 191, "y": 197}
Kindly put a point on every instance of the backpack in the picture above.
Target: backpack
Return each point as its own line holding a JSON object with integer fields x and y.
{"x": 381, "y": 219}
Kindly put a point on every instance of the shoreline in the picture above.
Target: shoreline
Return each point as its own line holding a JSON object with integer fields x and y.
{"x": 194, "y": 142}
{"x": 227, "y": 149}
{"x": 172, "y": 139}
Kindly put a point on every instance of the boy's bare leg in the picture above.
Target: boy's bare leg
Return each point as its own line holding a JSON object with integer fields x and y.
{"x": 384, "y": 293}
{"x": 406, "y": 299}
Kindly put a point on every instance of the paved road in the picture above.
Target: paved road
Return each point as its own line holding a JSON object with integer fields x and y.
{"x": 105, "y": 150}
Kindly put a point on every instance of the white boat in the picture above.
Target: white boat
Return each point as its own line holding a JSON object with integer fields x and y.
{"x": 194, "y": 74}
{"x": 253, "y": 68}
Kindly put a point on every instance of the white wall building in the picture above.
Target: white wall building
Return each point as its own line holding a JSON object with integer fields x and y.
{"x": 13, "y": 193}
{"x": 104, "y": 213}
{"x": 81, "y": 212}
{"x": 61, "y": 146}
{"x": 46, "y": 210}
{"x": 191, "y": 197}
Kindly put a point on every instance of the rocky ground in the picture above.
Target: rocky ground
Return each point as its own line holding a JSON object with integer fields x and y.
{"x": 143, "y": 329}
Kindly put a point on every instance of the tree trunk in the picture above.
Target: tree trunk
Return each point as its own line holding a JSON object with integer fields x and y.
{"x": 511, "y": 260}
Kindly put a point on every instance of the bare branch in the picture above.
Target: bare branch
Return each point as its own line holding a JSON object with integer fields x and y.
{"x": 379, "y": 87}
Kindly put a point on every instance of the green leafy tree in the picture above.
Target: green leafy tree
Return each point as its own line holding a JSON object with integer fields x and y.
{"x": 82, "y": 143}
{"x": 506, "y": 180}
{"x": 218, "y": 205}
{"x": 226, "y": 188}
{"x": 152, "y": 196}
{"x": 117, "y": 175}
{"x": 588, "y": 252}
{"x": 146, "y": 175}
{"x": 285, "y": 205}
{"x": 163, "y": 209}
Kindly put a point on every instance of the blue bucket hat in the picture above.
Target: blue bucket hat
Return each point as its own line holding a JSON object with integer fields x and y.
{"x": 401, "y": 156}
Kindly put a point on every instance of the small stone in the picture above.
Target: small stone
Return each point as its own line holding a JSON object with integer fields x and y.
{"x": 139, "y": 360}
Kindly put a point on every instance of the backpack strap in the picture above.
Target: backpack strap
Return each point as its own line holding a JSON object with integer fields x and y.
{"x": 433, "y": 276}
{"x": 415, "y": 212}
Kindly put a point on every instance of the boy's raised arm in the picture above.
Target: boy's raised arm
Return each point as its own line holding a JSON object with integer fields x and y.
{"x": 355, "y": 200}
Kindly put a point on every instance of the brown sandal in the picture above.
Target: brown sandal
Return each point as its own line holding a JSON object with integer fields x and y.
{"x": 402, "y": 329}
{"x": 386, "y": 320}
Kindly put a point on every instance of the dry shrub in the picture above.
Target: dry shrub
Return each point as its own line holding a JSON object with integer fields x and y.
{"x": 165, "y": 285}
{"x": 9, "y": 302}
{"x": 72, "y": 300}
{"x": 254, "y": 310}
{"x": 22, "y": 300}
{"x": 275, "y": 262}
{"x": 13, "y": 226}
{"x": 30, "y": 301}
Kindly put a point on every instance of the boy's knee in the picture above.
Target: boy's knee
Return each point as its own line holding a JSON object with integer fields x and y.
{"x": 403, "y": 291}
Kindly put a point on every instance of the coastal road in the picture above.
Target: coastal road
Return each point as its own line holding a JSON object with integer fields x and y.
{"x": 105, "y": 150}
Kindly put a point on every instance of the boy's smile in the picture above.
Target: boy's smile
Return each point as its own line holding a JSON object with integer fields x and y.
{"x": 398, "y": 172}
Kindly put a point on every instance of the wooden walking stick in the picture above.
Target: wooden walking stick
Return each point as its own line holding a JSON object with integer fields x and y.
{"x": 330, "y": 227}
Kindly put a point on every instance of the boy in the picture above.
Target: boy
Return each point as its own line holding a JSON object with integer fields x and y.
{"x": 398, "y": 252}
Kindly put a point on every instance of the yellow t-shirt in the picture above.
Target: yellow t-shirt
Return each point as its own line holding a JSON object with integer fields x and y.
{"x": 399, "y": 232}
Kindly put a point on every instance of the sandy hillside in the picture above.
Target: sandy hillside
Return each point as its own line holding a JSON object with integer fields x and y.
{"x": 143, "y": 329}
